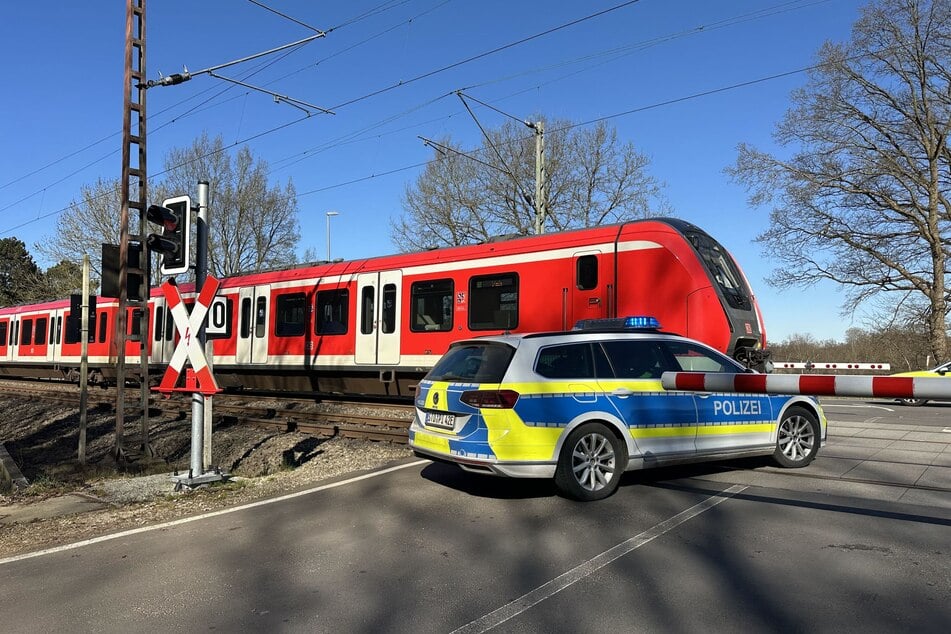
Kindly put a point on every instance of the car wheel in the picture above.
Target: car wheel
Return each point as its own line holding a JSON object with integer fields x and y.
{"x": 914, "y": 402}
{"x": 798, "y": 439}
{"x": 591, "y": 463}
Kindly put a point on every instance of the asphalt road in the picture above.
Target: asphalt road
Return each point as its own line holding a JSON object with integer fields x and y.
{"x": 718, "y": 547}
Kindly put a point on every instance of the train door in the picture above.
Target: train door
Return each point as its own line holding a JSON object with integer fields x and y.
{"x": 52, "y": 347}
{"x": 253, "y": 320}
{"x": 5, "y": 332}
{"x": 163, "y": 332}
{"x": 14, "y": 348}
{"x": 378, "y": 318}
{"x": 587, "y": 295}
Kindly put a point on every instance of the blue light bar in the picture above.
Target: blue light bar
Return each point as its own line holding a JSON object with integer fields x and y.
{"x": 634, "y": 322}
{"x": 642, "y": 321}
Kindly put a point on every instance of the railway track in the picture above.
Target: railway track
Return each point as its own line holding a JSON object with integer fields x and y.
{"x": 323, "y": 417}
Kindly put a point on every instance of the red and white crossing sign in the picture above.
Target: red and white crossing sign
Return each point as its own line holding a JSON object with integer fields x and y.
{"x": 188, "y": 347}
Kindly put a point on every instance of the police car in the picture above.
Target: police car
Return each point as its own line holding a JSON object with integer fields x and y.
{"x": 586, "y": 405}
{"x": 941, "y": 370}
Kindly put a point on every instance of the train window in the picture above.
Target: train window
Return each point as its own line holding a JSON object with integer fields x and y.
{"x": 388, "y": 313}
{"x": 493, "y": 302}
{"x": 41, "y": 331}
{"x": 332, "y": 312}
{"x": 431, "y": 305}
{"x": 59, "y": 329}
{"x": 586, "y": 272}
{"x": 159, "y": 322}
{"x": 3, "y": 334}
{"x": 245, "y": 317}
{"x": 135, "y": 321}
{"x": 102, "y": 327}
{"x": 367, "y": 299}
{"x": 169, "y": 325}
{"x": 53, "y": 330}
{"x": 260, "y": 312}
{"x": 291, "y": 313}
{"x": 72, "y": 329}
{"x": 27, "y": 338}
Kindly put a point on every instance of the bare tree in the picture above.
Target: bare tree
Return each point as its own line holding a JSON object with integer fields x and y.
{"x": 253, "y": 225}
{"x": 85, "y": 226}
{"x": 863, "y": 198}
{"x": 464, "y": 198}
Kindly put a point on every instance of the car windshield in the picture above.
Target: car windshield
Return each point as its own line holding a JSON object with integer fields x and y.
{"x": 475, "y": 362}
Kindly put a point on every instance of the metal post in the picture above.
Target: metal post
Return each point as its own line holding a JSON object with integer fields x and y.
{"x": 84, "y": 362}
{"x": 201, "y": 271}
{"x": 329, "y": 214}
{"x": 201, "y": 406}
{"x": 201, "y": 268}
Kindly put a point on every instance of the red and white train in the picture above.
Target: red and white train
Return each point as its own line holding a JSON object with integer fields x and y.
{"x": 375, "y": 326}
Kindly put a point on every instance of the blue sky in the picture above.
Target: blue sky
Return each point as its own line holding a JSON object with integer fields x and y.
{"x": 61, "y": 115}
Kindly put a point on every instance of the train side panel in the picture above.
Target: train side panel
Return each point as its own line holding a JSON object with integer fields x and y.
{"x": 376, "y": 325}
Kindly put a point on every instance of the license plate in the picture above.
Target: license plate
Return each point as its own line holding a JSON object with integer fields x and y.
{"x": 441, "y": 420}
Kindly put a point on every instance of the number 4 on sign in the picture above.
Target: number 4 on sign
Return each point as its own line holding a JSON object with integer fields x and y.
{"x": 188, "y": 346}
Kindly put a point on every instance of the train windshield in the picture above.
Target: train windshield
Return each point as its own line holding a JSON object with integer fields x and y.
{"x": 722, "y": 269}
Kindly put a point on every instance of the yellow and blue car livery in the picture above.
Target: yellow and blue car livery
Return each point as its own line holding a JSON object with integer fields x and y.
{"x": 517, "y": 428}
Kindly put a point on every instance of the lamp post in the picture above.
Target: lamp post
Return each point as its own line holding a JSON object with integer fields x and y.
{"x": 329, "y": 214}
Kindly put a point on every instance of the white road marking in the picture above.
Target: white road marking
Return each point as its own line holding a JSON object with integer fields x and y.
{"x": 186, "y": 520}
{"x": 579, "y": 572}
{"x": 887, "y": 409}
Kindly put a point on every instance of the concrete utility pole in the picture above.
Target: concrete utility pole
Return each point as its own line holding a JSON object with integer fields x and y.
{"x": 541, "y": 200}
{"x": 84, "y": 363}
{"x": 330, "y": 214}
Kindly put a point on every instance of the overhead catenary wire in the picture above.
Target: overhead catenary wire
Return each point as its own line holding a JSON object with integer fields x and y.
{"x": 424, "y": 163}
{"x": 369, "y": 13}
{"x": 349, "y": 137}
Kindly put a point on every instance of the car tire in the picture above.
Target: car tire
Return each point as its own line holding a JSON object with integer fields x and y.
{"x": 913, "y": 402}
{"x": 798, "y": 438}
{"x": 591, "y": 462}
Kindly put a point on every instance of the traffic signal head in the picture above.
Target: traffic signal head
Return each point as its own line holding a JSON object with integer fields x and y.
{"x": 174, "y": 243}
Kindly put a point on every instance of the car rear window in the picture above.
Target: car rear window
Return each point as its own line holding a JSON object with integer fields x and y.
{"x": 475, "y": 362}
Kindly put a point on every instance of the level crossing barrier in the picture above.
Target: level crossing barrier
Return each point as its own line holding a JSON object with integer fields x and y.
{"x": 931, "y": 388}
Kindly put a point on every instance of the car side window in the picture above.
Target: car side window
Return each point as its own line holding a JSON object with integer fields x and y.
{"x": 566, "y": 361}
{"x": 693, "y": 358}
{"x": 638, "y": 359}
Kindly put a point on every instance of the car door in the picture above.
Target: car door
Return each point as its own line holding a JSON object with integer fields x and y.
{"x": 662, "y": 423}
{"x": 725, "y": 421}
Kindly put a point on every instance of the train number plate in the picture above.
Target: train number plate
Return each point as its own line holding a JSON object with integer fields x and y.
{"x": 441, "y": 420}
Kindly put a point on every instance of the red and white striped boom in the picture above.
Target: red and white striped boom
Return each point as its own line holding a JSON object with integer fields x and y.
{"x": 812, "y": 384}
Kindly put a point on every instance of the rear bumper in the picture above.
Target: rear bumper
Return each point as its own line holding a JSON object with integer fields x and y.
{"x": 490, "y": 467}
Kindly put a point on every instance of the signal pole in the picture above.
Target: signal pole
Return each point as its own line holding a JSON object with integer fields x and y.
{"x": 133, "y": 134}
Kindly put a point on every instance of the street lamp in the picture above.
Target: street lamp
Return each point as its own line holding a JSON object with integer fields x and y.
{"x": 329, "y": 214}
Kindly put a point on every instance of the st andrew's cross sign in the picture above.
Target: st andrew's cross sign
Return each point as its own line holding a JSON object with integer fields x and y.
{"x": 188, "y": 347}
